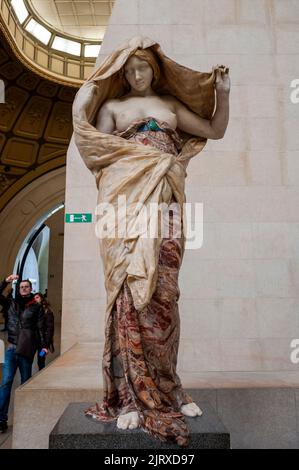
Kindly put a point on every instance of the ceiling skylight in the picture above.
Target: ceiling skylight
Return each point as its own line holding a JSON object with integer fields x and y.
{"x": 65, "y": 45}
{"x": 92, "y": 50}
{"x": 20, "y": 10}
{"x": 38, "y": 31}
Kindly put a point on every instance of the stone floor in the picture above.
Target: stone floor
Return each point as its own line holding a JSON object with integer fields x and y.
{"x": 264, "y": 400}
{"x": 263, "y": 404}
{"x": 6, "y": 439}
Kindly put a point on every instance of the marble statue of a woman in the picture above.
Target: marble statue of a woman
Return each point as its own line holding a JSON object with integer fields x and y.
{"x": 137, "y": 122}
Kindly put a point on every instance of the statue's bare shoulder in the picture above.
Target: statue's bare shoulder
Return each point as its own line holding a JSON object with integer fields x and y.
{"x": 169, "y": 99}
{"x": 109, "y": 106}
{"x": 105, "y": 118}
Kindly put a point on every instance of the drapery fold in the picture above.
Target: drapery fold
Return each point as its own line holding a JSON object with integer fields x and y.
{"x": 141, "y": 174}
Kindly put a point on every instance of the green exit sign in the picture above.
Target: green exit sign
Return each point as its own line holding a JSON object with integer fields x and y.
{"x": 78, "y": 218}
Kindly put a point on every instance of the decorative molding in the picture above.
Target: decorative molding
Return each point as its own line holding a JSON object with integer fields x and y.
{"x": 33, "y": 67}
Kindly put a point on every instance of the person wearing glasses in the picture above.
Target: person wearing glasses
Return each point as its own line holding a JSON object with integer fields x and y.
{"x": 25, "y": 331}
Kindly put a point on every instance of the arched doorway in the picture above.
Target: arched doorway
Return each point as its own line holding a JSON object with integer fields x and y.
{"x": 27, "y": 210}
{"x": 37, "y": 208}
{"x": 40, "y": 258}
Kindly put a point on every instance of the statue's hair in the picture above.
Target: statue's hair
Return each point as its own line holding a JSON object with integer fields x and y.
{"x": 148, "y": 56}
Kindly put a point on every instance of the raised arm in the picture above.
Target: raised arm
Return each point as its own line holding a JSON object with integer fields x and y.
{"x": 3, "y": 300}
{"x": 216, "y": 127}
{"x": 3, "y": 284}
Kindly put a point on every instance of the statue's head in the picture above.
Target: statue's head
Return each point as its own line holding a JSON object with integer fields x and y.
{"x": 141, "y": 70}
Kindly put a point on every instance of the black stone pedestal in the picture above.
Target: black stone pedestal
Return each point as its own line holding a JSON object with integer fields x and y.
{"x": 76, "y": 431}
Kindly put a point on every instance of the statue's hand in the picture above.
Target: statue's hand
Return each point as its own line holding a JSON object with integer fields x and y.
{"x": 222, "y": 80}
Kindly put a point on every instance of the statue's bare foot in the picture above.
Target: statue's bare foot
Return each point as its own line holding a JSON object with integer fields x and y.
{"x": 191, "y": 409}
{"x": 128, "y": 420}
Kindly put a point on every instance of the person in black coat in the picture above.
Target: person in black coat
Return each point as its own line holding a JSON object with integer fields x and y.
{"x": 49, "y": 328}
{"x": 25, "y": 332}
{"x": 8, "y": 294}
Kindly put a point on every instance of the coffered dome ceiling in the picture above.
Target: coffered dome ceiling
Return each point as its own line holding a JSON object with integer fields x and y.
{"x": 82, "y": 18}
{"x": 36, "y": 118}
{"x": 35, "y": 125}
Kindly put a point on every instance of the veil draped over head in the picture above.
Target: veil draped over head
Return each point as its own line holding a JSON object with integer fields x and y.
{"x": 141, "y": 173}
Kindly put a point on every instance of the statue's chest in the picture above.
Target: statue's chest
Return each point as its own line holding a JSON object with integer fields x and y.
{"x": 126, "y": 116}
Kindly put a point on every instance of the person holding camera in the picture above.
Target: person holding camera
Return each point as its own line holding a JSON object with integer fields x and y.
{"x": 25, "y": 332}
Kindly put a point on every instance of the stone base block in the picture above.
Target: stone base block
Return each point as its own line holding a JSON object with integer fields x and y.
{"x": 76, "y": 431}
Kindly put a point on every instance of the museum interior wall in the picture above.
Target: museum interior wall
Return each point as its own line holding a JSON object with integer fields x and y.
{"x": 239, "y": 291}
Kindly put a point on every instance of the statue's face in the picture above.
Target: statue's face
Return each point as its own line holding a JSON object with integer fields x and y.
{"x": 138, "y": 73}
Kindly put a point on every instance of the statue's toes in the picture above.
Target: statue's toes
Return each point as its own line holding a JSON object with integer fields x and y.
{"x": 191, "y": 410}
{"x": 134, "y": 420}
{"x": 128, "y": 421}
{"x": 121, "y": 422}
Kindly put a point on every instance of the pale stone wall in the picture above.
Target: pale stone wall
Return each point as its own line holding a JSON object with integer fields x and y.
{"x": 56, "y": 225}
{"x": 83, "y": 292}
{"x": 240, "y": 291}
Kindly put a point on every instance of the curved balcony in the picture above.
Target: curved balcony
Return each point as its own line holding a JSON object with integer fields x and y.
{"x": 57, "y": 57}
